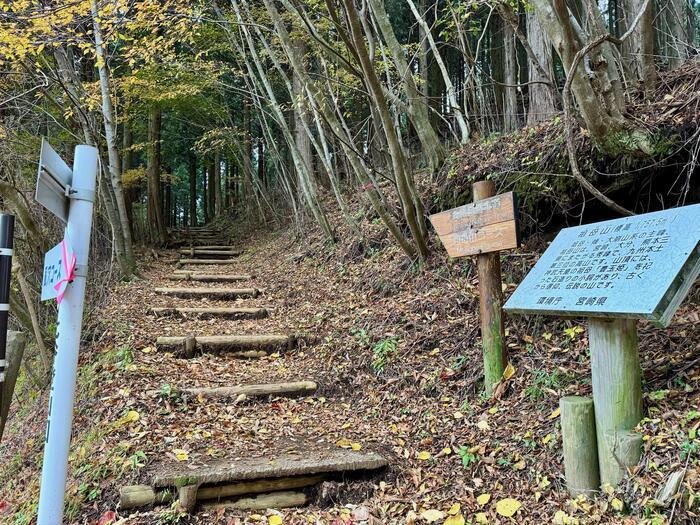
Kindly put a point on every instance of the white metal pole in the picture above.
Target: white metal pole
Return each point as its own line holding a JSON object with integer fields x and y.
{"x": 70, "y": 319}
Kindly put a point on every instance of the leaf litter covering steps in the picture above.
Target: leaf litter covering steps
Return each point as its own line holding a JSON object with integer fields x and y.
{"x": 184, "y": 275}
{"x": 207, "y": 261}
{"x": 240, "y": 345}
{"x": 209, "y": 293}
{"x": 251, "y": 477}
{"x": 211, "y": 313}
{"x": 210, "y": 254}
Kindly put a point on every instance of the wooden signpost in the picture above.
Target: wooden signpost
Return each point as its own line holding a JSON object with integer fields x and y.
{"x": 613, "y": 272}
{"x": 483, "y": 228}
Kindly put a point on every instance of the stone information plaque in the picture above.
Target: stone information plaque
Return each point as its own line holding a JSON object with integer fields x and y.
{"x": 638, "y": 267}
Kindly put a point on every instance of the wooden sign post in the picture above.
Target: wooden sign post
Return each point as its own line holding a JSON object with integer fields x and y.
{"x": 614, "y": 272}
{"x": 483, "y": 228}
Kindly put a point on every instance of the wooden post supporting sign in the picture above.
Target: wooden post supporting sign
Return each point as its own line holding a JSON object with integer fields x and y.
{"x": 483, "y": 228}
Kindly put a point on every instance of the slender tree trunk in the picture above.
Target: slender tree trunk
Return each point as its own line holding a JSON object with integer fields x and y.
{"x": 678, "y": 26}
{"x": 192, "y": 173}
{"x": 247, "y": 154}
{"x": 433, "y": 149}
{"x": 123, "y": 228}
{"x": 510, "y": 103}
{"x": 218, "y": 201}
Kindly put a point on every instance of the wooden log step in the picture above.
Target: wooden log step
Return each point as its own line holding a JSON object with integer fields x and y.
{"x": 210, "y": 313}
{"x": 206, "y": 247}
{"x": 207, "y": 261}
{"x": 211, "y": 293}
{"x": 304, "y": 463}
{"x": 273, "y": 389}
{"x": 274, "y": 500}
{"x": 207, "y": 251}
{"x": 186, "y": 275}
{"x": 240, "y": 345}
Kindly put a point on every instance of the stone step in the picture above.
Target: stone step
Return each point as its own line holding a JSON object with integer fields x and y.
{"x": 245, "y": 346}
{"x": 211, "y": 313}
{"x": 248, "y": 478}
{"x": 186, "y": 275}
{"x": 208, "y": 293}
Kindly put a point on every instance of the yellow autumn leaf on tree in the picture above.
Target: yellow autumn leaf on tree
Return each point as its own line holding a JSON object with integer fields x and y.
{"x": 424, "y": 455}
{"x": 275, "y": 520}
{"x": 483, "y": 499}
{"x": 508, "y": 507}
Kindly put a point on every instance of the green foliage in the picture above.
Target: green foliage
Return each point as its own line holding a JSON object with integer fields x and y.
{"x": 383, "y": 352}
{"x": 468, "y": 458}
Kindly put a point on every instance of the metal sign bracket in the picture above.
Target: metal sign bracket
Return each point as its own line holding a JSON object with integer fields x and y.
{"x": 80, "y": 194}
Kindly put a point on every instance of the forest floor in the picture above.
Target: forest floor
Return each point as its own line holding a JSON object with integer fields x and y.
{"x": 396, "y": 352}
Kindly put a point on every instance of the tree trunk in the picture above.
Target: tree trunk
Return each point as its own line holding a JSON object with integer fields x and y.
{"x": 218, "y": 201}
{"x": 638, "y": 49}
{"x": 155, "y": 211}
{"x": 123, "y": 229}
{"x": 678, "y": 30}
{"x": 541, "y": 106}
{"x": 510, "y": 102}
{"x": 211, "y": 185}
{"x": 596, "y": 83}
{"x": 433, "y": 149}
{"x": 192, "y": 174}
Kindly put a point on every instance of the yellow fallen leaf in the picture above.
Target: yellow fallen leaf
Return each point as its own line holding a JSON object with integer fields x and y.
{"x": 274, "y": 520}
{"x": 507, "y": 507}
{"x": 454, "y": 509}
{"x": 493, "y": 410}
{"x": 344, "y": 443}
{"x": 424, "y": 455}
{"x": 432, "y": 515}
{"x": 131, "y": 417}
{"x": 356, "y": 446}
{"x": 555, "y": 414}
{"x": 519, "y": 465}
{"x": 457, "y": 519}
{"x": 509, "y": 371}
{"x": 481, "y": 518}
{"x": 482, "y": 424}
{"x": 617, "y": 504}
{"x": 547, "y": 439}
{"x": 483, "y": 499}
{"x": 446, "y": 451}
{"x": 181, "y": 454}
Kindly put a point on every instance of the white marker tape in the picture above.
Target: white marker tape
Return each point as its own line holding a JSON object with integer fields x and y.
{"x": 7, "y": 251}
{"x": 4, "y": 307}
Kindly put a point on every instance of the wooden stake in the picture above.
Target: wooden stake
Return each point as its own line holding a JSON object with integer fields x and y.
{"x": 274, "y": 500}
{"x": 617, "y": 394}
{"x": 580, "y": 445}
{"x": 490, "y": 305}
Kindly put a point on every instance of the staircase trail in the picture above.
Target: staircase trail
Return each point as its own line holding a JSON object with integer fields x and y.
{"x": 206, "y": 329}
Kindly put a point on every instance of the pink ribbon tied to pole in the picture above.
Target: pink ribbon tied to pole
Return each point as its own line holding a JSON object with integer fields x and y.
{"x": 70, "y": 271}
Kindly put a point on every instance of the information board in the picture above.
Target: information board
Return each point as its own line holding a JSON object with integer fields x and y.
{"x": 636, "y": 267}
{"x": 488, "y": 225}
